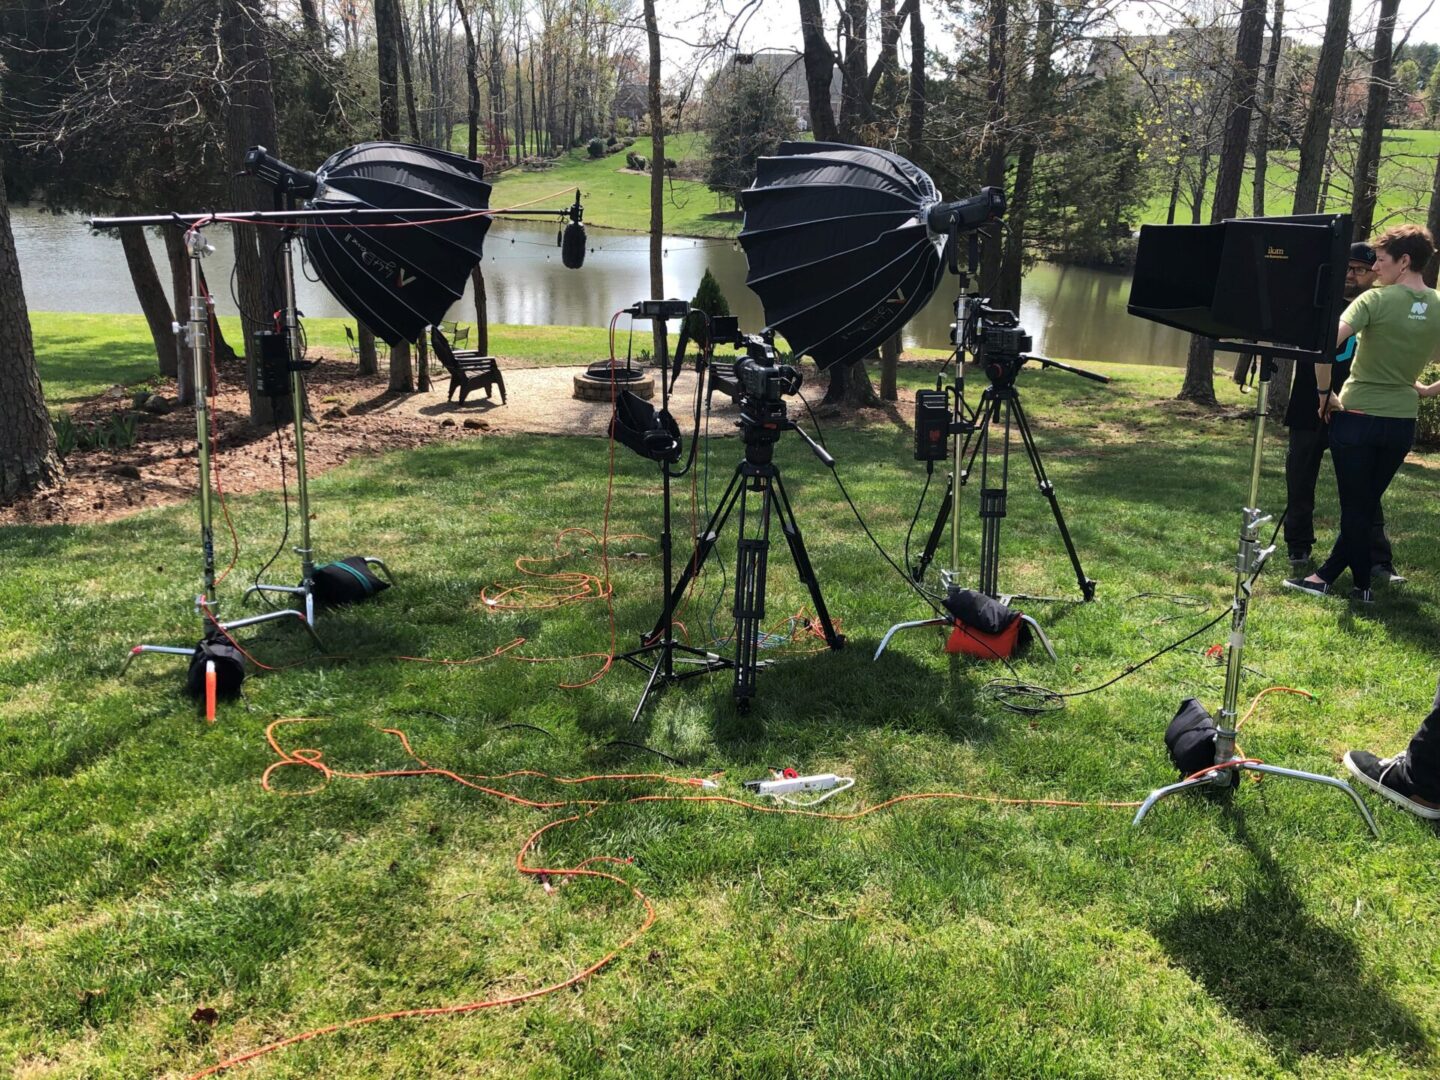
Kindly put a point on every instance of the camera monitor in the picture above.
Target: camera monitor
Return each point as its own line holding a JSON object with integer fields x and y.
{"x": 1277, "y": 280}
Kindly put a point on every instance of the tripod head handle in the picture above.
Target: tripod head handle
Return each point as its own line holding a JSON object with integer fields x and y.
{"x": 1045, "y": 361}
{"x": 820, "y": 452}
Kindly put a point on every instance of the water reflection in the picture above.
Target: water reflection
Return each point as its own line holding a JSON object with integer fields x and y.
{"x": 1071, "y": 312}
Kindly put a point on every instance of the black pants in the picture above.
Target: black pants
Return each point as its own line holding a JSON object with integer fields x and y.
{"x": 1303, "y": 458}
{"x": 1422, "y": 766}
{"x": 1368, "y": 451}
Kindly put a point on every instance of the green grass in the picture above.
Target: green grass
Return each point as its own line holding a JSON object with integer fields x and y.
{"x": 1407, "y": 174}
{"x": 81, "y": 355}
{"x": 615, "y": 198}
{"x": 143, "y": 873}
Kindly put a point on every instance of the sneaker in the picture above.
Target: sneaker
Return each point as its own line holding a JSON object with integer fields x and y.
{"x": 1315, "y": 588}
{"x": 1376, "y": 774}
{"x": 1362, "y": 596}
{"x": 1384, "y": 574}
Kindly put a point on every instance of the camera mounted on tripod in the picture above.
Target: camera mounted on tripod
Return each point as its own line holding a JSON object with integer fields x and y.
{"x": 762, "y": 378}
{"x": 1001, "y": 345}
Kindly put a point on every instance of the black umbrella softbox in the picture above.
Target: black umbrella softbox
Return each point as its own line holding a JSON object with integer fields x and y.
{"x": 395, "y": 277}
{"x": 840, "y": 249}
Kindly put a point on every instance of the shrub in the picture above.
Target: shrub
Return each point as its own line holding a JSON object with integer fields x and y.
{"x": 640, "y": 163}
{"x": 1427, "y": 431}
{"x": 612, "y": 140}
{"x": 596, "y": 147}
{"x": 708, "y": 299}
{"x": 670, "y": 164}
{"x": 631, "y": 159}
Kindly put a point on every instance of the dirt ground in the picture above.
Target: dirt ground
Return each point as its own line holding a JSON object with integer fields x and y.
{"x": 352, "y": 415}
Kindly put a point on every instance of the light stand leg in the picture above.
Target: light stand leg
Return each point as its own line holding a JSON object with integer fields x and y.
{"x": 1250, "y": 559}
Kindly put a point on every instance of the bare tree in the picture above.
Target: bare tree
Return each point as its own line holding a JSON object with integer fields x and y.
{"x": 27, "y": 439}
{"x": 1315, "y": 140}
{"x": 1199, "y": 385}
{"x": 1267, "y": 105}
{"x": 1367, "y": 159}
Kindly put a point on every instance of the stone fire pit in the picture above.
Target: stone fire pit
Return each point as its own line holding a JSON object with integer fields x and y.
{"x": 594, "y": 383}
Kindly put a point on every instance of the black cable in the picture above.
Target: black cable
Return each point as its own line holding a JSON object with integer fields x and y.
{"x": 929, "y": 474}
{"x": 285, "y": 498}
{"x": 1012, "y": 695}
{"x": 648, "y": 750}
{"x": 528, "y": 727}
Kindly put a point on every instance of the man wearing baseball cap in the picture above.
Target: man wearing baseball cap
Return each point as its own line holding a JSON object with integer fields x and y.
{"x": 1310, "y": 437}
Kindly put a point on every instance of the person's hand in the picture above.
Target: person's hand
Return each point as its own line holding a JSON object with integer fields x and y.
{"x": 1329, "y": 404}
{"x": 1427, "y": 390}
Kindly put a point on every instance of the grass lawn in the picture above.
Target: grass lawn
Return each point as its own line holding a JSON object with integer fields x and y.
{"x": 619, "y": 199}
{"x": 1407, "y": 173}
{"x": 144, "y": 875}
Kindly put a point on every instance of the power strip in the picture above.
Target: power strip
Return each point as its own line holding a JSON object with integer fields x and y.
{"x": 786, "y": 785}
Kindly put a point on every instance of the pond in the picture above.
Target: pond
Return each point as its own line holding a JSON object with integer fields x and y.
{"x": 1071, "y": 312}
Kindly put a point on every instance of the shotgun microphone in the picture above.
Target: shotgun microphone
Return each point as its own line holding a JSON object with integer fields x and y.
{"x": 572, "y": 246}
{"x": 572, "y": 239}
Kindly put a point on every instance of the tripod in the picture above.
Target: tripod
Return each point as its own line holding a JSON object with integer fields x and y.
{"x": 1000, "y": 406}
{"x": 762, "y": 420}
{"x": 205, "y": 603}
{"x": 1250, "y": 560}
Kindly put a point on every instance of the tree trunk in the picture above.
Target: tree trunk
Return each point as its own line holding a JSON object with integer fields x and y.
{"x": 387, "y": 35}
{"x": 250, "y": 121}
{"x": 27, "y": 439}
{"x": 916, "y": 128}
{"x": 422, "y": 364}
{"x": 819, "y": 71}
{"x": 472, "y": 80}
{"x": 657, "y": 184}
{"x": 482, "y": 311}
{"x": 890, "y": 368}
{"x": 1316, "y": 138}
{"x": 1433, "y": 224}
{"x": 1037, "y": 104}
{"x": 992, "y": 145}
{"x": 1267, "y": 105}
{"x": 403, "y": 49}
{"x": 854, "y": 70}
{"x": 1197, "y": 190}
{"x": 1175, "y": 189}
{"x": 184, "y": 372}
{"x": 151, "y": 295}
{"x": 850, "y": 387}
{"x": 1199, "y": 385}
{"x": 368, "y": 361}
{"x": 1367, "y": 158}
{"x": 402, "y": 374}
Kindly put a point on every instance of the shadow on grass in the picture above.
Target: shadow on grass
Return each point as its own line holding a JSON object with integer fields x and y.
{"x": 1298, "y": 982}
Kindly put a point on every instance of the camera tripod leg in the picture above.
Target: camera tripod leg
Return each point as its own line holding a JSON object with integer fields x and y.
{"x": 791, "y": 528}
{"x": 1087, "y": 585}
{"x": 975, "y": 438}
{"x": 704, "y": 545}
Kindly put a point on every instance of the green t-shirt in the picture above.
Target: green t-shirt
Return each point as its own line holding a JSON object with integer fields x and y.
{"x": 1399, "y": 331}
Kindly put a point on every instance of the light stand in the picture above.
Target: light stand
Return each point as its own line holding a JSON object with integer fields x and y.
{"x": 1250, "y": 560}
{"x": 296, "y": 369}
{"x": 197, "y": 335}
{"x": 658, "y": 649}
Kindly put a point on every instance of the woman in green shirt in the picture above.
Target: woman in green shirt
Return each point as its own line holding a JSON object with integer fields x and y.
{"x": 1372, "y": 422}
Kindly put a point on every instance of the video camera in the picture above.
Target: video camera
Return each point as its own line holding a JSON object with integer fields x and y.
{"x": 762, "y": 378}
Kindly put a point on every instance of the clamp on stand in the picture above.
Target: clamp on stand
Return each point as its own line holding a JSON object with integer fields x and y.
{"x": 196, "y": 333}
{"x": 1224, "y": 775}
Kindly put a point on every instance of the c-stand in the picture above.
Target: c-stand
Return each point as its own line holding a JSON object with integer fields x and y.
{"x": 763, "y": 385}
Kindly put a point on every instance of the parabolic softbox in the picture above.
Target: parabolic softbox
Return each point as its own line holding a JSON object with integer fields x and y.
{"x": 394, "y": 277}
{"x": 840, "y": 250}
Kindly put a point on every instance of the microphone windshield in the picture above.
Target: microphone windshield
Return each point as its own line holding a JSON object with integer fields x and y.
{"x": 572, "y": 246}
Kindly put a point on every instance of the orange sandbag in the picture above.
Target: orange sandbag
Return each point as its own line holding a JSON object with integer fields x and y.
{"x": 983, "y": 646}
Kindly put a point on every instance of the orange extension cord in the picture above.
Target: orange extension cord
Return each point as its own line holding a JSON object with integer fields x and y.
{"x": 312, "y": 758}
